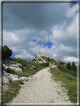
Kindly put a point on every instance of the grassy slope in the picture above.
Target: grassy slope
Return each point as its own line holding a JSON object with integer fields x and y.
{"x": 26, "y": 65}
{"x": 11, "y": 92}
{"x": 63, "y": 75}
{"x": 61, "y": 65}
{"x": 69, "y": 82}
{"x": 67, "y": 77}
{"x": 15, "y": 85}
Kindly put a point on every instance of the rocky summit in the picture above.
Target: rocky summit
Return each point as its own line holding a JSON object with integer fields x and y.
{"x": 39, "y": 58}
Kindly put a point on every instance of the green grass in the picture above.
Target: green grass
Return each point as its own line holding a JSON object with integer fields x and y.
{"x": 62, "y": 66}
{"x": 26, "y": 65}
{"x": 14, "y": 87}
{"x": 69, "y": 82}
{"x": 12, "y": 91}
{"x": 34, "y": 59}
{"x": 64, "y": 69}
{"x": 11, "y": 71}
{"x": 48, "y": 59}
{"x": 39, "y": 59}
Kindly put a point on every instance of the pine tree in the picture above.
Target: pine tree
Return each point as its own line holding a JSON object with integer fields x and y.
{"x": 6, "y": 52}
{"x": 74, "y": 66}
{"x": 69, "y": 66}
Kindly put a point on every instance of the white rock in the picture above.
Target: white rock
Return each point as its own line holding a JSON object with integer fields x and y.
{"x": 33, "y": 66}
{"x": 12, "y": 65}
{"x": 14, "y": 79}
{"x": 22, "y": 78}
{"x": 16, "y": 76}
{"x": 5, "y": 80}
{"x": 56, "y": 69}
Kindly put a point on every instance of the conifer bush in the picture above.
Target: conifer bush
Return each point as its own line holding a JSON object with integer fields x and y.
{"x": 68, "y": 65}
{"x": 6, "y": 52}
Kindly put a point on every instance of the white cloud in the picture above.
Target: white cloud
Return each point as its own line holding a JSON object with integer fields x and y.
{"x": 70, "y": 59}
{"x": 43, "y": 33}
{"x": 24, "y": 54}
{"x": 73, "y": 27}
{"x": 71, "y": 11}
{"x": 24, "y": 32}
{"x": 58, "y": 31}
{"x": 21, "y": 41}
{"x": 64, "y": 31}
{"x": 32, "y": 44}
{"x": 10, "y": 38}
{"x": 47, "y": 51}
{"x": 65, "y": 48}
{"x": 54, "y": 55}
{"x": 63, "y": 36}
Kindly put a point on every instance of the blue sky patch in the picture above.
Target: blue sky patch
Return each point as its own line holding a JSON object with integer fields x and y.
{"x": 34, "y": 55}
{"x": 49, "y": 44}
{"x": 76, "y": 11}
{"x": 37, "y": 41}
{"x": 50, "y": 33}
{"x": 12, "y": 55}
{"x": 34, "y": 40}
{"x": 72, "y": 4}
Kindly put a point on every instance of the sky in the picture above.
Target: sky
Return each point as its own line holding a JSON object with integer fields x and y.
{"x": 49, "y": 28}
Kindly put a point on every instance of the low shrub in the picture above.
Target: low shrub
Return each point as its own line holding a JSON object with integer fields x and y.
{"x": 39, "y": 59}
{"x": 9, "y": 70}
{"x": 26, "y": 67}
{"x": 21, "y": 66}
{"x": 45, "y": 64}
{"x": 48, "y": 59}
{"x": 21, "y": 82}
{"x": 11, "y": 92}
{"x": 61, "y": 63}
{"x": 34, "y": 60}
{"x": 64, "y": 69}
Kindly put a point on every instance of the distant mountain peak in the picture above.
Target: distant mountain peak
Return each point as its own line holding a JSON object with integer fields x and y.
{"x": 40, "y": 54}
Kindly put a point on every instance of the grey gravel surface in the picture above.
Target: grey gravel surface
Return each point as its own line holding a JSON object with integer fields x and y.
{"x": 41, "y": 88}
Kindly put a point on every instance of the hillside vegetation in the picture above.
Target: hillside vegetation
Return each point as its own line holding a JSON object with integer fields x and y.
{"x": 28, "y": 67}
{"x": 64, "y": 72}
{"x": 68, "y": 81}
{"x": 63, "y": 66}
{"x": 67, "y": 74}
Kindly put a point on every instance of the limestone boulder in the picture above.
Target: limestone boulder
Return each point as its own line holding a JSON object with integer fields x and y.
{"x": 5, "y": 80}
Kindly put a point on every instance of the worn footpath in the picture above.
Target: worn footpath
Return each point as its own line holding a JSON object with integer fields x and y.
{"x": 41, "y": 88}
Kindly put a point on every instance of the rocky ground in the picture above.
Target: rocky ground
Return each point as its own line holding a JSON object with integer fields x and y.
{"x": 41, "y": 88}
{"x": 12, "y": 65}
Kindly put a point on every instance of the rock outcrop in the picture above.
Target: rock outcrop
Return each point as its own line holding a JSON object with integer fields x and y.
{"x": 12, "y": 65}
{"x": 40, "y": 54}
{"x": 39, "y": 58}
{"x": 7, "y": 77}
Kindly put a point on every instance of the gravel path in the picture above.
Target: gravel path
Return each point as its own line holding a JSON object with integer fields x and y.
{"x": 41, "y": 88}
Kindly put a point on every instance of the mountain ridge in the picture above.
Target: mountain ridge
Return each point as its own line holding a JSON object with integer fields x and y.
{"x": 39, "y": 56}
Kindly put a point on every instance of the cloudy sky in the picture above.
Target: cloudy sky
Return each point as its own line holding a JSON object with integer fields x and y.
{"x": 49, "y": 28}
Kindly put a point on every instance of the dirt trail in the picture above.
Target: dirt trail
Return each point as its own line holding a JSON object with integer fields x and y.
{"x": 41, "y": 88}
